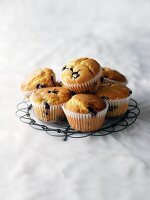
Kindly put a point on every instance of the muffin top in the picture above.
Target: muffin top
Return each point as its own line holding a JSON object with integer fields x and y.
{"x": 41, "y": 78}
{"x": 112, "y": 75}
{"x": 51, "y": 95}
{"x": 113, "y": 91}
{"x": 80, "y": 70}
{"x": 85, "y": 103}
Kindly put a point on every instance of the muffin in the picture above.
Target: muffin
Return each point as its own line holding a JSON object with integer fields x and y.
{"x": 85, "y": 112}
{"x": 109, "y": 76}
{"x": 47, "y": 103}
{"x": 81, "y": 75}
{"x": 117, "y": 96}
{"x": 41, "y": 78}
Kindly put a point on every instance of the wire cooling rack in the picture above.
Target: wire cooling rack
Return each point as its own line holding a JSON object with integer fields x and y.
{"x": 62, "y": 129}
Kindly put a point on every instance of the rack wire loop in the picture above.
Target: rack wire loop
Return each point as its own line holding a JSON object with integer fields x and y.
{"x": 112, "y": 125}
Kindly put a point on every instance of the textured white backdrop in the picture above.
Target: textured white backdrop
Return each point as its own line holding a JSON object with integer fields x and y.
{"x": 39, "y": 33}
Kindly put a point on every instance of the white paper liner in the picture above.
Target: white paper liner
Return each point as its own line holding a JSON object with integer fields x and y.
{"x": 117, "y": 107}
{"x": 85, "y": 122}
{"x": 54, "y": 113}
{"x": 88, "y": 87}
{"x": 109, "y": 81}
{"x": 27, "y": 94}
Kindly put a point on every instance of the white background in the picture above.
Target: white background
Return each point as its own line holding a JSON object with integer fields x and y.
{"x": 39, "y": 33}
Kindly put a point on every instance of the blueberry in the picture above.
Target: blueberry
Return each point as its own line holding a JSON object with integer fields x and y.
{"x": 46, "y": 105}
{"x": 64, "y": 68}
{"x": 92, "y": 111}
{"x": 40, "y": 86}
{"x": 75, "y": 75}
{"x": 53, "y": 92}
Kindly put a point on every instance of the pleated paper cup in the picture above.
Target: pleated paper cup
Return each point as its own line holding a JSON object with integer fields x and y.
{"x": 85, "y": 122}
{"x": 118, "y": 107}
{"x": 54, "y": 113}
{"x": 107, "y": 81}
{"x": 88, "y": 87}
{"x": 27, "y": 94}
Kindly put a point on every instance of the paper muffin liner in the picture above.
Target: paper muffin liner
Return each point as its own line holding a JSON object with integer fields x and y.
{"x": 108, "y": 81}
{"x": 88, "y": 87}
{"x": 85, "y": 122}
{"x": 27, "y": 94}
{"x": 54, "y": 113}
{"x": 117, "y": 107}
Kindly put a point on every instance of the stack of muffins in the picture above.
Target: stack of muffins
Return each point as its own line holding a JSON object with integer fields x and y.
{"x": 87, "y": 94}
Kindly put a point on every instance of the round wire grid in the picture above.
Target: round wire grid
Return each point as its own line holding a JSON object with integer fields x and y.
{"x": 62, "y": 129}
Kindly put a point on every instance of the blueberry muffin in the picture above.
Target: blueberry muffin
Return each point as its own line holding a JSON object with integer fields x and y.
{"x": 81, "y": 75}
{"x": 109, "y": 76}
{"x": 41, "y": 78}
{"x": 47, "y": 103}
{"x": 117, "y": 96}
{"x": 85, "y": 112}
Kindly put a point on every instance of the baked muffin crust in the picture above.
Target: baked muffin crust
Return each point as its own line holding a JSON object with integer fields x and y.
{"x": 41, "y": 78}
{"x": 80, "y": 70}
{"x": 113, "y": 91}
{"x": 85, "y": 103}
{"x": 51, "y": 96}
{"x": 112, "y": 75}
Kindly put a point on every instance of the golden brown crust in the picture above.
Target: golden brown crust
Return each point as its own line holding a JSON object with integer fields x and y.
{"x": 113, "y": 75}
{"x": 85, "y": 103}
{"x": 80, "y": 70}
{"x": 41, "y": 78}
{"x": 113, "y": 91}
{"x": 51, "y": 95}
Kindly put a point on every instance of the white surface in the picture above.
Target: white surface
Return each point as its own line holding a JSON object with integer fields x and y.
{"x": 38, "y": 33}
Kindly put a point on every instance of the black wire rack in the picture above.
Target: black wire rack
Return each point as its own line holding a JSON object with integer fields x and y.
{"x": 63, "y": 130}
